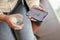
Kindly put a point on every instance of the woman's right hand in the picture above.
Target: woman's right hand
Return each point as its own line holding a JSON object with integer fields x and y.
{"x": 8, "y": 20}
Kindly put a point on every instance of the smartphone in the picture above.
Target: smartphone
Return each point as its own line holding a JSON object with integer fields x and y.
{"x": 37, "y": 14}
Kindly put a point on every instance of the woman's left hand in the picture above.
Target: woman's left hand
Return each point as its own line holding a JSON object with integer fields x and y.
{"x": 36, "y": 7}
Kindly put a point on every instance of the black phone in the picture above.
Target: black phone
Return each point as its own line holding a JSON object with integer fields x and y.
{"x": 37, "y": 14}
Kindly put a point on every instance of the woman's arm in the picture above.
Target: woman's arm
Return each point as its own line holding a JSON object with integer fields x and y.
{"x": 8, "y": 19}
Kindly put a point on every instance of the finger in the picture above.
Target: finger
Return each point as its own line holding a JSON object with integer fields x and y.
{"x": 18, "y": 27}
{"x": 39, "y": 8}
{"x": 32, "y": 19}
{"x": 29, "y": 16}
{"x": 42, "y": 9}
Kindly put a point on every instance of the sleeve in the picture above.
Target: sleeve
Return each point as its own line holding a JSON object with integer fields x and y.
{"x": 1, "y": 11}
{"x": 7, "y": 5}
{"x": 30, "y": 3}
{"x": 13, "y": 3}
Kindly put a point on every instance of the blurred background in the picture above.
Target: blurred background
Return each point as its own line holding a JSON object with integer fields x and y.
{"x": 56, "y": 7}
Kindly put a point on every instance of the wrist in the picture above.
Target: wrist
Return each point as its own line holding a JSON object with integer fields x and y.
{"x": 2, "y": 17}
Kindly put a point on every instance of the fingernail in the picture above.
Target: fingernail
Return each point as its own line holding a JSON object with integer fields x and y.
{"x": 33, "y": 20}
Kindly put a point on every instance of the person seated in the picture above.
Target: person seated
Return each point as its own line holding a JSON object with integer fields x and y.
{"x": 20, "y": 32}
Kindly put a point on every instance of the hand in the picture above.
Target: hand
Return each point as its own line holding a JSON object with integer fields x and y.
{"x": 36, "y": 7}
{"x": 39, "y": 8}
{"x": 11, "y": 20}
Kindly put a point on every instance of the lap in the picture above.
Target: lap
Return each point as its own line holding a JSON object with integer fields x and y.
{"x": 5, "y": 32}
